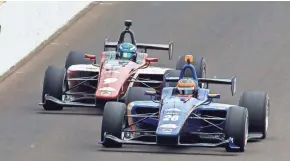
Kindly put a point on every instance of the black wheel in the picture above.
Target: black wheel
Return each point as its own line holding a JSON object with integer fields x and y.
{"x": 172, "y": 73}
{"x": 137, "y": 94}
{"x": 113, "y": 122}
{"x": 258, "y": 105}
{"x": 199, "y": 64}
{"x": 237, "y": 127}
{"x": 53, "y": 86}
{"x": 74, "y": 58}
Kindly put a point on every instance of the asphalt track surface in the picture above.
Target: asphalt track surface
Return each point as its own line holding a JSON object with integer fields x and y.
{"x": 246, "y": 39}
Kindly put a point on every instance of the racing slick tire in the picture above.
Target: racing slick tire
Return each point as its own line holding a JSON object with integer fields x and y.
{"x": 171, "y": 73}
{"x": 258, "y": 105}
{"x": 137, "y": 94}
{"x": 236, "y": 127}
{"x": 113, "y": 123}
{"x": 199, "y": 64}
{"x": 53, "y": 86}
{"x": 74, "y": 58}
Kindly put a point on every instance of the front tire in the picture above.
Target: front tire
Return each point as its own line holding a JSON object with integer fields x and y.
{"x": 237, "y": 128}
{"x": 113, "y": 122}
{"x": 53, "y": 86}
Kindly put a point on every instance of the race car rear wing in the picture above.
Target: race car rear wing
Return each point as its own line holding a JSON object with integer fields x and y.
{"x": 144, "y": 46}
{"x": 207, "y": 81}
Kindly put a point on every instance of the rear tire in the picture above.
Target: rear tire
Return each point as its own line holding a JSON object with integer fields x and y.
{"x": 113, "y": 122}
{"x": 137, "y": 94}
{"x": 199, "y": 65}
{"x": 53, "y": 86}
{"x": 258, "y": 105}
{"x": 171, "y": 73}
{"x": 74, "y": 58}
{"x": 237, "y": 127}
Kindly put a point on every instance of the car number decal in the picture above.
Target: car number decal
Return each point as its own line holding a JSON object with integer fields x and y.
{"x": 170, "y": 118}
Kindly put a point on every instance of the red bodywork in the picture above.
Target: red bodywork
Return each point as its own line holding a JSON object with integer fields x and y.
{"x": 113, "y": 83}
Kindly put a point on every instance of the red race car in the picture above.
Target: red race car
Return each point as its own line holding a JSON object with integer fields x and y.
{"x": 84, "y": 83}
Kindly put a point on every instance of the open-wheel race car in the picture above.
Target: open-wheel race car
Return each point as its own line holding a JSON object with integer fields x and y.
{"x": 183, "y": 114}
{"x": 83, "y": 83}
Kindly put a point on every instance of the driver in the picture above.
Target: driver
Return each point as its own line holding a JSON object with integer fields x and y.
{"x": 127, "y": 51}
{"x": 187, "y": 87}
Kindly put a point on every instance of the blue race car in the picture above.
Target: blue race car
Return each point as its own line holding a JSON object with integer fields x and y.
{"x": 167, "y": 118}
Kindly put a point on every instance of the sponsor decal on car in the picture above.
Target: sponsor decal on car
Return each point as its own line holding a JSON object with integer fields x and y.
{"x": 90, "y": 68}
{"x": 106, "y": 93}
{"x": 110, "y": 89}
{"x": 171, "y": 113}
{"x": 171, "y": 126}
{"x": 173, "y": 109}
{"x": 110, "y": 80}
{"x": 166, "y": 130}
{"x": 112, "y": 71}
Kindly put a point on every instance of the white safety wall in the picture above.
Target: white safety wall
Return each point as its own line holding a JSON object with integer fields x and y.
{"x": 25, "y": 25}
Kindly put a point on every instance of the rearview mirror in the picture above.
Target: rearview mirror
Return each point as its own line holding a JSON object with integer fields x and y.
{"x": 150, "y": 93}
{"x": 217, "y": 96}
{"x": 151, "y": 60}
{"x": 89, "y": 56}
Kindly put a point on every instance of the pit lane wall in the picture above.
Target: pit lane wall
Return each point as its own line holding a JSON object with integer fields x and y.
{"x": 25, "y": 25}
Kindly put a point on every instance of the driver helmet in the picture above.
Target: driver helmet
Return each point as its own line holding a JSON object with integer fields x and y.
{"x": 186, "y": 87}
{"x": 127, "y": 51}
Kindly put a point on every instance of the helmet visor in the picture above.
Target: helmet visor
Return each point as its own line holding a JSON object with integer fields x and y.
{"x": 185, "y": 91}
{"x": 126, "y": 55}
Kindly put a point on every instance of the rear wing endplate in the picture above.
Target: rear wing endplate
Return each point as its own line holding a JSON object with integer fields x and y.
{"x": 165, "y": 47}
{"x": 231, "y": 82}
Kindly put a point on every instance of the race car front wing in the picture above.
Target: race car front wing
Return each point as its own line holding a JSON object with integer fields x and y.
{"x": 229, "y": 142}
{"x": 65, "y": 103}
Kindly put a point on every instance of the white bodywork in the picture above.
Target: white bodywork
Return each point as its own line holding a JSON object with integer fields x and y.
{"x": 152, "y": 70}
{"x": 84, "y": 67}
{"x": 92, "y": 68}
{"x": 220, "y": 106}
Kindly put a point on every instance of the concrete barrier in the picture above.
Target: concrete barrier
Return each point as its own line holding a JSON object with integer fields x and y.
{"x": 26, "y": 25}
